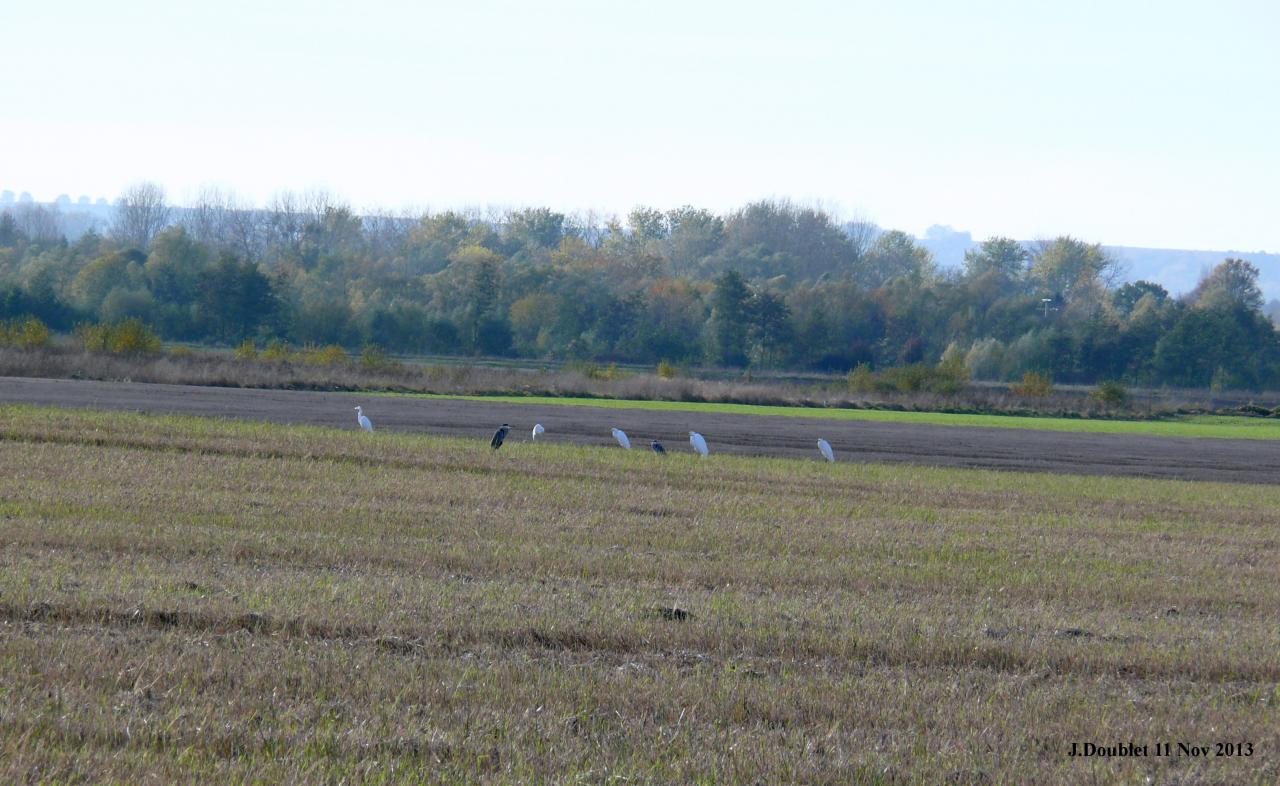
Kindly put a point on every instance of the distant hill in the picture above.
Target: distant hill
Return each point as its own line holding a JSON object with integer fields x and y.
{"x": 1177, "y": 270}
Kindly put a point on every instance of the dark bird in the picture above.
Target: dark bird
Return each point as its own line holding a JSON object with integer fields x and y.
{"x": 499, "y": 436}
{"x": 657, "y": 448}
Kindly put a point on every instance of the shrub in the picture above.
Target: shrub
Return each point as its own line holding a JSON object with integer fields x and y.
{"x": 951, "y": 375}
{"x": 913, "y": 378}
{"x": 247, "y": 350}
{"x": 1033, "y": 385}
{"x": 592, "y": 370}
{"x": 277, "y": 350}
{"x": 94, "y": 338}
{"x": 586, "y": 368}
{"x": 611, "y": 373}
{"x": 28, "y": 333}
{"x": 331, "y": 355}
{"x": 946, "y": 378}
{"x": 133, "y": 337}
{"x": 1029, "y": 352}
{"x": 952, "y": 354}
{"x": 130, "y": 337}
{"x": 985, "y": 358}
{"x": 666, "y": 370}
{"x": 122, "y": 304}
{"x": 861, "y": 380}
{"x": 374, "y": 358}
{"x": 181, "y": 352}
{"x": 1224, "y": 379}
{"x": 1111, "y": 394}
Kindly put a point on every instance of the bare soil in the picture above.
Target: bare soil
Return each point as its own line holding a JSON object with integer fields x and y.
{"x": 1244, "y": 461}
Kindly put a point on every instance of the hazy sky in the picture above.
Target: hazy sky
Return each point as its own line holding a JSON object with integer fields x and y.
{"x": 1135, "y": 123}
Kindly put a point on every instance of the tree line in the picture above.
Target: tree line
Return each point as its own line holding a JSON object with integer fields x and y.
{"x": 771, "y": 285}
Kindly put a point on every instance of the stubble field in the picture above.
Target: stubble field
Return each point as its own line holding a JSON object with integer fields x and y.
{"x": 186, "y": 599}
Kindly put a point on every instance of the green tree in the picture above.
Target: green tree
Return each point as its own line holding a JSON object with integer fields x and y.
{"x": 438, "y": 237}
{"x": 647, "y": 224}
{"x": 1000, "y": 255}
{"x": 770, "y": 237}
{"x": 693, "y": 236}
{"x": 323, "y": 321}
{"x": 493, "y": 336}
{"x": 770, "y": 333}
{"x": 1073, "y": 269}
{"x": 481, "y": 316}
{"x": 122, "y": 304}
{"x": 532, "y": 318}
{"x": 400, "y": 328}
{"x": 534, "y": 228}
{"x": 96, "y": 280}
{"x": 334, "y": 231}
{"x": 673, "y": 311}
{"x": 1127, "y": 296}
{"x": 234, "y": 299}
{"x": 895, "y": 254}
{"x": 10, "y": 235}
{"x": 1233, "y": 283}
{"x": 730, "y": 320}
{"x": 1235, "y": 347}
{"x": 174, "y": 265}
{"x": 442, "y": 337}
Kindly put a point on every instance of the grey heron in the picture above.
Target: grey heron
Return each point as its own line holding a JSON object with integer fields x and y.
{"x": 499, "y": 436}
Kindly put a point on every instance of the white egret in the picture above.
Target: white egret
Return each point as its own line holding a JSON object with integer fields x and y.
{"x": 537, "y": 430}
{"x": 621, "y": 436}
{"x": 364, "y": 422}
{"x": 825, "y": 447}
{"x": 657, "y": 447}
{"x": 498, "y": 436}
{"x": 699, "y": 444}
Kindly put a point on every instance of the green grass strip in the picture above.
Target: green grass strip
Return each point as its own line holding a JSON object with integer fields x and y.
{"x": 1206, "y": 426}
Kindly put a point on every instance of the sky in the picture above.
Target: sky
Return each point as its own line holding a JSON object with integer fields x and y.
{"x": 1127, "y": 123}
